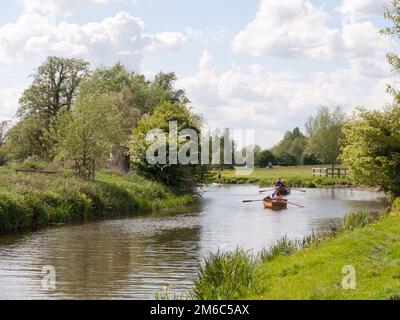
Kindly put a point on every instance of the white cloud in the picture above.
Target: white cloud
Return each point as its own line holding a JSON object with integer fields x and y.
{"x": 58, "y": 6}
{"x": 362, "y": 7}
{"x": 299, "y": 28}
{"x": 283, "y": 27}
{"x": 273, "y": 102}
{"x": 121, "y": 37}
{"x": 166, "y": 41}
{"x": 8, "y": 103}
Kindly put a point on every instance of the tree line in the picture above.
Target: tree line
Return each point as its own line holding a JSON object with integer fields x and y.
{"x": 321, "y": 144}
{"x": 75, "y": 116}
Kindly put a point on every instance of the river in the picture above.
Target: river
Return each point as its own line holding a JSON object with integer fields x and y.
{"x": 133, "y": 258}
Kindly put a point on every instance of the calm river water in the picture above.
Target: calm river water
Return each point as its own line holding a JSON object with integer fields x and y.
{"x": 133, "y": 258}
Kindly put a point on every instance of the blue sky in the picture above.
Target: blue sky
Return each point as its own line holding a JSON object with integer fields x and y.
{"x": 256, "y": 64}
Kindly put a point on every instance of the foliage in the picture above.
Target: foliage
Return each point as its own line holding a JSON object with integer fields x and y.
{"x": 298, "y": 176}
{"x": 325, "y": 135}
{"x": 369, "y": 242}
{"x": 356, "y": 220}
{"x": 26, "y": 139}
{"x": 291, "y": 149}
{"x": 32, "y": 200}
{"x": 263, "y": 158}
{"x": 3, "y": 129}
{"x": 372, "y": 148}
{"x": 53, "y": 88}
{"x": 180, "y": 176}
{"x": 86, "y": 133}
{"x": 393, "y": 15}
{"x": 134, "y": 95}
{"x": 224, "y": 276}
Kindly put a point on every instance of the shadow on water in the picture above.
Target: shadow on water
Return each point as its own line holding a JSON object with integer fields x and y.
{"x": 133, "y": 258}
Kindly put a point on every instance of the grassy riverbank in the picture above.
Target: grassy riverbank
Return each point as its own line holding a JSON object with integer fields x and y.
{"x": 33, "y": 200}
{"x": 297, "y": 176}
{"x": 312, "y": 268}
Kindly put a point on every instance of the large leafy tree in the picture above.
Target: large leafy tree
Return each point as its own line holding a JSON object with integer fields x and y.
{"x": 264, "y": 158}
{"x": 181, "y": 177}
{"x": 325, "y": 136}
{"x": 372, "y": 145}
{"x": 85, "y": 134}
{"x": 372, "y": 148}
{"x": 25, "y": 139}
{"x": 291, "y": 149}
{"x": 393, "y": 15}
{"x": 135, "y": 95}
{"x": 54, "y": 87}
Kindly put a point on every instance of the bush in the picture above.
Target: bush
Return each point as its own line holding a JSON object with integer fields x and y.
{"x": 30, "y": 163}
{"x": 224, "y": 276}
{"x": 396, "y": 205}
{"x": 356, "y": 220}
{"x": 34, "y": 200}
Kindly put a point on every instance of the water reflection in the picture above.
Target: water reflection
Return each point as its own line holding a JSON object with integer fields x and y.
{"x": 133, "y": 258}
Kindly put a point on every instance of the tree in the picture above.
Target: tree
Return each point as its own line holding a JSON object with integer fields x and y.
{"x": 179, "y": 176}
{"x": 291, "y": 147}
{"x": 372, "y": 148}
{"x": 53, "y": 88}
{"x": 86, "y": 134}
{"x": 393, "y": 15}
{"x": 263, "y": 158}
{"x": 3, "y": 129}
{"x": 135, "y": 95}
{"x": 287, "y": 159}
{"x": 325, "y": 134}
{"x": 25, "y": 139}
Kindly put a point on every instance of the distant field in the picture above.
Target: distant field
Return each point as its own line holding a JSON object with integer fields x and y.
{"x": 296, "y": 176}
{"x": 278, "y": 172}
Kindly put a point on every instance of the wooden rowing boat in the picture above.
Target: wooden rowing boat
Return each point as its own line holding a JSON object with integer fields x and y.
{"x": 275, "y": 205}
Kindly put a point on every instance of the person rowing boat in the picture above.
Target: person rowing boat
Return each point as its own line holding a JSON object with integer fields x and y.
{"x": 275, "y": 202}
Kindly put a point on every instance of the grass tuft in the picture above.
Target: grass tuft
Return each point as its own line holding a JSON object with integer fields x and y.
{"x": 224, "y": 276}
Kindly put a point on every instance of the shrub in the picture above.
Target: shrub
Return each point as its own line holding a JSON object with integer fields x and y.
{"x": 396, "y": 205}
{"x": 356, "y": 220}
{"x": 224, "y": 276}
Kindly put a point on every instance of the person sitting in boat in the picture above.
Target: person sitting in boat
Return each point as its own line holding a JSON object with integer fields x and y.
{"x": 277, "y": 196}
{"x": 279, "y": 183}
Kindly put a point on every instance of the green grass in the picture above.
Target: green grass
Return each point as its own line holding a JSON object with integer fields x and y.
{"x": 316, "y": 273}
{"x": 312, "y": 268}
{"x": 33, "y": 200}
{"x": 298, "y": 176}
{"x": 224, "y": 276}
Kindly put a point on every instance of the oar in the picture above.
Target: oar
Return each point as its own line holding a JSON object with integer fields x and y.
{"x": 262, "y": 191}
{"x": 247, "y": 201}
{"x": 299, "y": 190}
{"x": 295, "y": 204}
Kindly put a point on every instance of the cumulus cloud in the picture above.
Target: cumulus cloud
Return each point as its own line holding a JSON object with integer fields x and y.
{"x": 166, "y": 41}
{"x": 362, "y": 7}
{"x": 58, "y": 6}
{"x": 119, "y": 38}
{"x": 273, "y": 102}
{"x": 8, "y": 103}
{"x": 283, "y": 27}
{"x": 299, "y": 28}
